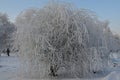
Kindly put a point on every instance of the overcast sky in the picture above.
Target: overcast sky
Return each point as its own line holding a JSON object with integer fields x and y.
{"x": 105, "y": 9}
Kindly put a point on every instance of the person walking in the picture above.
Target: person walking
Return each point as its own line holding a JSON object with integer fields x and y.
{"x": 8, "y": 52}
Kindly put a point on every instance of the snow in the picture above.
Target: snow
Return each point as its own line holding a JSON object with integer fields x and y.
{"x": 59, "y": 39}
{"x": 10, "y": 66}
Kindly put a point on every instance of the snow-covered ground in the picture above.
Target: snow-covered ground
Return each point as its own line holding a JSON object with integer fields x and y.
{"x": 9, "y": 67}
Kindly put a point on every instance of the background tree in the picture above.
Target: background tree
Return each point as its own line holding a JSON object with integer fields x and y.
{"x": 6, "y": 30}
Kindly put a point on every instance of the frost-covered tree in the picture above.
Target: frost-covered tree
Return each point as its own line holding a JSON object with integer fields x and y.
{"x": 116, "y": 43}
{"x": 60, "y": 36}
{"x": 6, "y": 30}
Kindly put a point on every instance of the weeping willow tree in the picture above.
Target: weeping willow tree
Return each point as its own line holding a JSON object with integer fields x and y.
{"x": 60, "y": 36}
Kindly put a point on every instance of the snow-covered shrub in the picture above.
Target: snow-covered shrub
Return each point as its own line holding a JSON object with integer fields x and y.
{"x": 6, "y": 30}
{"x": 58, "y": 36}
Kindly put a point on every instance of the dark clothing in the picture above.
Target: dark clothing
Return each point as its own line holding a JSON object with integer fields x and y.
{"x": 8, "y": 52}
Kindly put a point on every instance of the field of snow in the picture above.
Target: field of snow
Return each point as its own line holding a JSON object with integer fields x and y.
{"x": 9, "y": 67}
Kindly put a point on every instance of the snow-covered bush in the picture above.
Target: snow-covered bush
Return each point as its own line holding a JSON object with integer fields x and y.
{"x": 6, "y": 30}
{"x": 58, "y": 36}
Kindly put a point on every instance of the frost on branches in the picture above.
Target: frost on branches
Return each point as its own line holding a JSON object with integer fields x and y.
{"x": 6, "y": 32}
{"x": 60, "y": 36}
